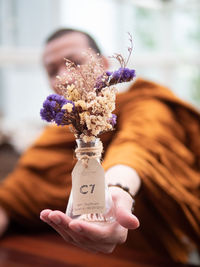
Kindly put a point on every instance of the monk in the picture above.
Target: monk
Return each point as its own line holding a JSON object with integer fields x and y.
{"x": 154, "y": 152}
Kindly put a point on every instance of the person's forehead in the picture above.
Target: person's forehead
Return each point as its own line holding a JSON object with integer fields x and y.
{"x": 68, "y": 44}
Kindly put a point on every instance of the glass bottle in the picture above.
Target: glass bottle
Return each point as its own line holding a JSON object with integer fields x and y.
{"x": 84, "y": 153}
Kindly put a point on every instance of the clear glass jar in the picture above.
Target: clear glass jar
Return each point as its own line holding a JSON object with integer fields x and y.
{"x": 85, "y": 152}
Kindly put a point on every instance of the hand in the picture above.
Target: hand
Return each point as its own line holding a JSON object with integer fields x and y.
{"x": 4, "y": 221}
{"x": 96, "y": 237}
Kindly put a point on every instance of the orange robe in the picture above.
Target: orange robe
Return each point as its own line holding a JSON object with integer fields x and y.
{"x": 158, "y": 135}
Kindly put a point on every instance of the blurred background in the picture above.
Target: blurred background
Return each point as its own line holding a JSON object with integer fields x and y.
{"x": 166, "y": 35}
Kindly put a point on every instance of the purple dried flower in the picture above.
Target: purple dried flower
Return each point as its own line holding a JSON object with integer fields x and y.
{"x": 59, "y": 118}
{"x": 113, "y": 120}
{"x": 119, "y": 76}
{"x": 108, "y": 73}
{"x": 122, "y": 75}
{"x": 116, "y": 75}
{"x": 52, "y": 106}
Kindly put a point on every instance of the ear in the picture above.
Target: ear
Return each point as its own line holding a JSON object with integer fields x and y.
{"x": 105, "y": 63}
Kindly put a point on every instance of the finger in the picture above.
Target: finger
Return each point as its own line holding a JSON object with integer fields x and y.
{"x": 44, "y": 215}
{"x": 64, "y": 234}
{"x": 55, "y": 218}
{"x": 61, "y": 225}
{"x": 126, "y": 219}
{"x": 123, "y": 204}
{"x": 59, "y": 222}
{"x": 59, "y": 218}
{"x": 77, "y": 240}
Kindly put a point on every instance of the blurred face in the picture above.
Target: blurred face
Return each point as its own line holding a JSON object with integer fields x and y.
{"x": 69, "y": 46}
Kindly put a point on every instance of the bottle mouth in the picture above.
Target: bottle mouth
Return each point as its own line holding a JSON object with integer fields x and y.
{"x": 81, "y": 143}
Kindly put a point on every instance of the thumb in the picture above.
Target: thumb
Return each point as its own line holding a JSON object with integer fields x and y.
{"x": 123, "y": 204}
{"x": 126, "y": 218}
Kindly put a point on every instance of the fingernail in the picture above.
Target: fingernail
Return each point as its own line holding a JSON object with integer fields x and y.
{"x": 76, "y": 228}
{"x": 55, "y": 219}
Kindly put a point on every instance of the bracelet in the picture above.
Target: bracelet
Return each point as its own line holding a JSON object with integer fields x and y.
{"x": 125, "y": 188}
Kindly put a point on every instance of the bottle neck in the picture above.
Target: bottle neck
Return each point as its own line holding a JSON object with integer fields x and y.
{"x": 92, "y": 149}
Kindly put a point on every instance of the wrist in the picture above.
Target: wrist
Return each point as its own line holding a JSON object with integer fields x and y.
{"x": 125, "y": 188}
{"x": 125, "y": 176}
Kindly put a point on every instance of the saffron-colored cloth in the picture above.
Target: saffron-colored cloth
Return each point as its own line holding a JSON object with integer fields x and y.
{"x": 158, "y": 135}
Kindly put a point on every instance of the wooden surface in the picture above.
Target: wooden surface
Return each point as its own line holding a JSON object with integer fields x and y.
{"x": 48, "y": 249}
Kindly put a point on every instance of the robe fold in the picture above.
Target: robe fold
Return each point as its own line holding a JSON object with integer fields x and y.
{"x": 158, "y": 135}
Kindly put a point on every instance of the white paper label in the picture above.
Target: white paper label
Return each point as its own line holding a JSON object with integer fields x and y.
{"x": 88, "y": 188}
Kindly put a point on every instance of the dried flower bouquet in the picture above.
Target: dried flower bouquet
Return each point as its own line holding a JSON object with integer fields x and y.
{"x": 87, "y": 96}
